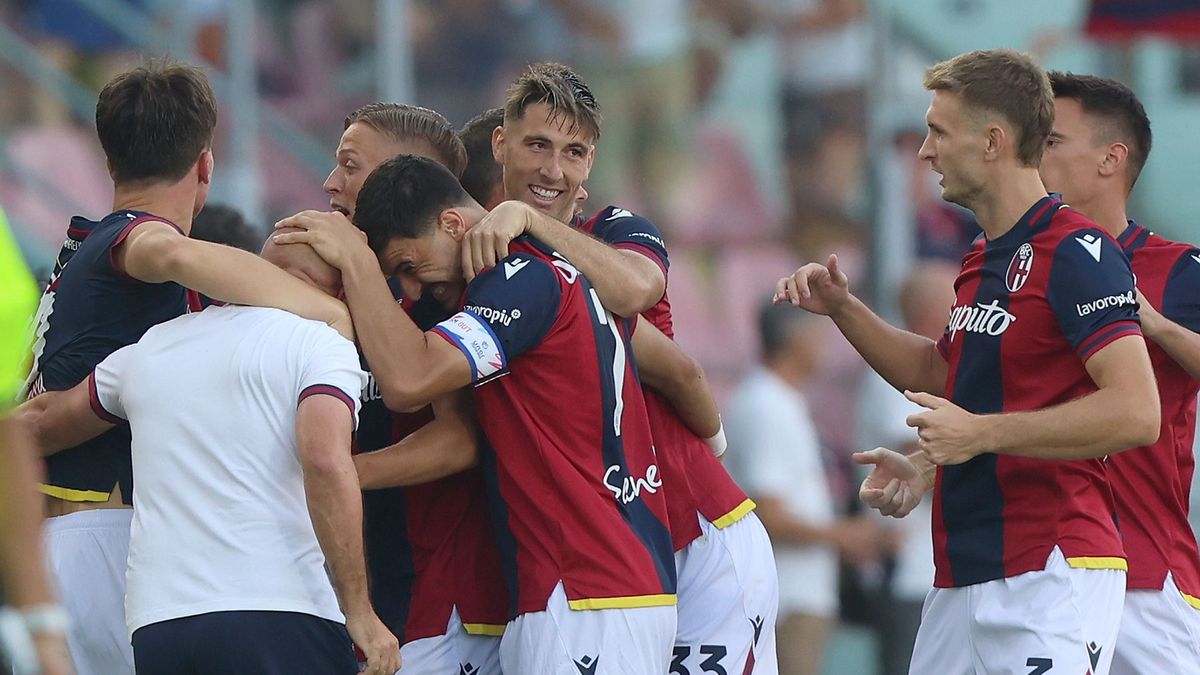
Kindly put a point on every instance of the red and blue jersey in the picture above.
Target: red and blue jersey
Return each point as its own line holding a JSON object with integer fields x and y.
{"x": 91, "y": 309}
{"x": 695, "y": 480}
{"x": 1152, "y": 484}
{"x": 574, "y": 483}
{"x": 1032, "y": 306}
{"x": 428, "y": 547}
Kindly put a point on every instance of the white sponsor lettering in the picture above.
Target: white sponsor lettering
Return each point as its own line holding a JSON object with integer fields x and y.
{"x": 566, "y": 269}
{"x": 647, "y": 235}
{"x": 990, "y": 319}
{"x": 493, "y": 315}
{"x": 371, "y": 391}
{"x": 630, "y": 487}
{"x": 1120, "y": 300}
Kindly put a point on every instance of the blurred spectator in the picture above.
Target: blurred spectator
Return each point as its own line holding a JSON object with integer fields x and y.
{"x": 222, "y": 224}
{"x": 903, "y": 581}
{"x": 777, "y": 459}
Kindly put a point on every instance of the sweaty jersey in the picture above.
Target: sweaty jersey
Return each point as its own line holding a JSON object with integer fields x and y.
{"x": 429, "y": 547}
{"x": 695, "y": 480}
{"x": 1032, "y": 306}
{"x": 1152, "y": 484}
{"x": 576, "y": 491}
{"x": 91, "y": 309}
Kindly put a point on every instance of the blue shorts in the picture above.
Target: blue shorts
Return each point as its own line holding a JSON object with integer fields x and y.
{"x": 244, "y": 643}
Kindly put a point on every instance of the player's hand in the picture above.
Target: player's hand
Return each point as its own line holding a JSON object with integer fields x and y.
{"x": 857, "y": 539}
{"x": 821, "y": 289}
{"x": 377, "y": 643}
{"x": 1152, "y": 320}
{"x": 948, "y": 434}
{"x": 895, "y": 486}
{"x": 487, "y": 243}
{"x": 331, "y": 235}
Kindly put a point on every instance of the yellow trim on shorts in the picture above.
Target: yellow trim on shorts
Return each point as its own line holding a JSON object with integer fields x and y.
{"x": 70, "y": 495}
{"x": 1191, "y": 600}
{"x": 625, "y": 602}
{"x": 490, "y": 629}
{"x": 1101, "y": 563}
{"x": 735, "y": 515}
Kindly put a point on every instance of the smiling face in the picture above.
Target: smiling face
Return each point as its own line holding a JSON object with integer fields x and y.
{"x": 955, "y": 148}
{"x": 361, "y": 149}
{"x": 1073, "y": 154}
{"x": 545, "y": 161}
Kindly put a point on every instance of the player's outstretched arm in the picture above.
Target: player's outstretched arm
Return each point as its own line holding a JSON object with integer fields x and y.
{"x": 57, "y": 420}
{"x": 323, "y": 428}
{"x": 155, "y": 252}
{"x": 626, "y": 281}
{"x": 1123, "y": 413}
{"x": 897, "y": 482}
{"x": 906, "y": 360}
{"x": 445, "y": 446}
{"x": 1178, "y": 342}
{"x": 666, "y": 368}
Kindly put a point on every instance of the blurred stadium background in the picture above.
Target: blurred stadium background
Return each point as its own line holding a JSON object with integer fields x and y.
{"x": 756, "y": 133}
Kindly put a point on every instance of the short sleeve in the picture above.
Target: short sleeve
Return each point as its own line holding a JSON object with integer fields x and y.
{"x": 1181, "y": 295}
{"x": 509, "y": 310}
{"x": 1091, "y": 292}
{"x": 104, "y": 385}
{"x": 625, "y": 230}
{"x": 331, "y": 368}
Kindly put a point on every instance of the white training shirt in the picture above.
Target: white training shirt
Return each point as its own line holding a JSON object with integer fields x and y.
{"x": 220, "y": 519}
{"x": 774, "y": 452}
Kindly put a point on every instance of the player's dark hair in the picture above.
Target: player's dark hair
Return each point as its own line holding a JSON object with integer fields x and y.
{"x": 1116, "y": 105}
{"x": 154, "y": 121}
{"x": 222, "y": 224}
{"x": 402, "y": 199}
{"x": 413, "y": 123}
{"x": 560, "y": 88}
{"x": 483, "y": 173}
{"x": 1005, "y": 82}
{"x": 776, "y": 324}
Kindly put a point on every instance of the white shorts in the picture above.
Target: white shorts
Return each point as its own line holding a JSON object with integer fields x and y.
{"x": 456, "y": 652}
{"x": 1160, "y": 633}
{"x": 728, "y": 600}
{"x": 87, "y": 553}
{"x": 564, "y": 641}
{"x": 1057, "y": 620}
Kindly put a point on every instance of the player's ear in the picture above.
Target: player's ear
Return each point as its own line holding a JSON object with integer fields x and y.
{"x": 498, "y": 145}
{"x": 205, "y": 169}
{"x": 451, "y": 222}
{"x": 1115, "y": 156}
{"x": 996, "y": 139}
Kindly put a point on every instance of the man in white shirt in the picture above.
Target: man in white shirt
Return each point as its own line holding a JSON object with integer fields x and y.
{"x": 241, "y": 420}
{"x": 777, "y": 460}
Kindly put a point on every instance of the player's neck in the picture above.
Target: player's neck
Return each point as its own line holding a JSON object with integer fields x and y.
{"x": 1006, "y": 200}
{"x": 171, "y": 201}
{"x": 1106, "y": 210}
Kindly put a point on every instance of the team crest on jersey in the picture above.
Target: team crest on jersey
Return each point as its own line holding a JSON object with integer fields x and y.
{"x": 1019, "y": 268}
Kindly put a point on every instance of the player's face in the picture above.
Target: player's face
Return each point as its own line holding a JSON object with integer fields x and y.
{"x": 361, "y": 149}
{"x": 545, "y": 161}
{"x": 1072, "y": 156}
{"x": 954, "y": 148}
{"x": 433, "y": 262}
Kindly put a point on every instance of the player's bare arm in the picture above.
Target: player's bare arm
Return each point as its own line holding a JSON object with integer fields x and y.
{"x": 906, "y": 360}
{"x": 1178, "y": 342}
{"x": 626, "y": 281}
{"x": 323, "y": 428}
{"x": 57, "y": 420}
{"x": 447, "y": 445}
{"x": 897, "y": 482}
{"x": 155, "y": 252}
{"x": 1122, "y": 414}
{"x": 667, "y": 369}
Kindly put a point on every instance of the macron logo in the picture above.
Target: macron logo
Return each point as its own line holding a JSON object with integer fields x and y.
{"x": 511, "y": 268}
{"x": 1196, "y": 257}
{"x": 1090, "y": 243}
{"x": 619, "y": 213}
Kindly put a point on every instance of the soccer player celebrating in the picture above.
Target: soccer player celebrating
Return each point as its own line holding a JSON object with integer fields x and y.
{"x": 131, "y": 271}
{"x": 1099, "y": 145}
{"x": 1042, "y": 358}
{"x": 728, "y": 588}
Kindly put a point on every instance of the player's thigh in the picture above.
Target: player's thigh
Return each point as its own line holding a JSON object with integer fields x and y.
{"x": 943, "y": 643}
{"x": 1047, "y": 621}
{"x": 560, "y": 640}
{"x": 271, "y": 643}
{"x": 1156, "y": 636}
{"x": 86, "y": 553}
